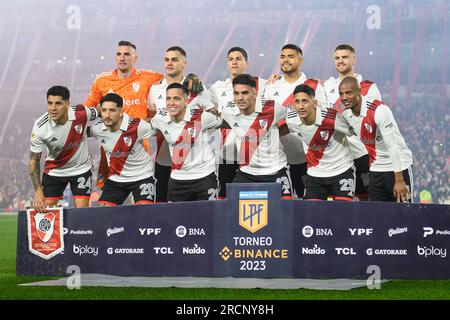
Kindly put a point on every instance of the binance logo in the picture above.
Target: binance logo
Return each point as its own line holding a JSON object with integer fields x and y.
{"x": 253, "y": 210}
{"x": 225, "y": 253}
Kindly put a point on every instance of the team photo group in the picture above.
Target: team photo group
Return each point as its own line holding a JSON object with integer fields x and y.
{"x": 169, "y": 138}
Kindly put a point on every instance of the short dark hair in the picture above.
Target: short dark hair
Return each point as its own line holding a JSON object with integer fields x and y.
{"x": 177, "y": 48}
{"x": 178, "y": 86}
{"x": 244, "y": 53}
{"x": 292, "y": 47}
{"x": 305, "y": 89}
{"x": 112, "y": 97}
{"x": 126, "y": 44}
{"x": 59, "y": 91}
{"x": 245, "y": 79}
{"x": 345, "y": 47}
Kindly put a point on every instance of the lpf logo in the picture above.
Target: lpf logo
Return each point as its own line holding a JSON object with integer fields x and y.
{"x": 253, "y": 210}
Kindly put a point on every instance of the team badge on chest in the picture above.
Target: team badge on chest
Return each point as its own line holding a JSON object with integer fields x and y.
{"x": 127, "y": 141}
{"x": 136, "y": 86}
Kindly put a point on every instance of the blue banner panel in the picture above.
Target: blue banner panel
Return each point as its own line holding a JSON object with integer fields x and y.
{"x": 251, "y": 234}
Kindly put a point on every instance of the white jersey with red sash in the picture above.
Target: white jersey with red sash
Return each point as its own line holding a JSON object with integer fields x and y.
{"x": 157, "y": 102}
{"x": 127, "y": 159}
{"x": 282, "y": 92}
{"x": 188, "y": 141}
{"x": 258, "y": 141}
{"x": 377, "y": 129}
{"x": 369, "y": 90}
{"x": 222, "y": 96}
{"x": 67, "y": 150}
{"x": 328, "y": 153}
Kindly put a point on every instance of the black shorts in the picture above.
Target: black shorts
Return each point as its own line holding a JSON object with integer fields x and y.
{"x": 80, "y": 185}
{"x": 227, "y": 172}
{"x": 115, "y": 193}
{"x": 381, "y": 185}
{"x": 282, "y": 177}
{"x": 162, "y": 175}
{"x": 192, "y": 190}
{"x": 340, "y": 187}
{"x": 298, "y": 176}
{"x": 362, "y": 176}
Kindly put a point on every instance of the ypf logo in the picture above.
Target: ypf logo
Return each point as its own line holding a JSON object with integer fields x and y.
{"x": 253, "y": 210}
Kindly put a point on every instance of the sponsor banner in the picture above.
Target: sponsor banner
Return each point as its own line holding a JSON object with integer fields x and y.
{"x": 252, "y": 234}
{"x": 45, "y": 232}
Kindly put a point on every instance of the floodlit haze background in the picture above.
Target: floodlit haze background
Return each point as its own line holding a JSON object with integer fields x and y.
{"x": 401, "y": 45}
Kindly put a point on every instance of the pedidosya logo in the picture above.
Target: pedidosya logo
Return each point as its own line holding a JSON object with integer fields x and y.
{"x": 253, "y": 210}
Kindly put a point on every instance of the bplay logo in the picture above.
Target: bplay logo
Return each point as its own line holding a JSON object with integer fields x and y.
{"x": 82, "y": 250}
{"x": 431, "y": 251}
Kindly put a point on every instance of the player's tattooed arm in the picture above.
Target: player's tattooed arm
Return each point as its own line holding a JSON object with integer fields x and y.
{"x": 34, "y": 170}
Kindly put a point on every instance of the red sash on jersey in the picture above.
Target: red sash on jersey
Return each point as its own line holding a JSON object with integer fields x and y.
{"x": 260, "y": 126}
{"x": 73, "y": 140}
{"x": 319, "y": 142}
{"x": 369, "y": 130}
{"x": 123, "y": 147}
{"x": 186, "y": 140}
{"x": 311, "y": 83}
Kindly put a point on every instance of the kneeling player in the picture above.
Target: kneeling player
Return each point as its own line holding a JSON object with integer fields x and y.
{"x": 193, "y": 175}
{"x": 323, "y": 133}
{"x": 130, "y": 166}
{"x": 62, "y": 131}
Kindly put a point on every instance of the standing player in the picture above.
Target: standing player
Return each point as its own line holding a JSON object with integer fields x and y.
{"x": 193, "y": 175}
{"x": 174, "y": 65}
{"x": 132, "y": 84}
{"x": 323, "y": 132}
{"x": 62, "y": 131}
{"x": 291, "y": 60}
{"x": 222, "y": 93}
{"x": 345, "y": 60}
{"x": 130, "y": 166}
{"x": 390, "y": 177}
{"x": 254, "y": 122}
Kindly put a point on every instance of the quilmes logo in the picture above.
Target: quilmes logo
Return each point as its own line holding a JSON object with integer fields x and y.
{"x": 253, "y": 210}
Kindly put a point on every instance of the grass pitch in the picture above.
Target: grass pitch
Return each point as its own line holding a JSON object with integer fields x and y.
{"x": 9, "y": 289}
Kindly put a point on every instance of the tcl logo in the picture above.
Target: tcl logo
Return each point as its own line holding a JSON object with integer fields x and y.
{"x": 163, "y": 250}
{"x": 360, "y": 231}
{"x": 345, "y": 251}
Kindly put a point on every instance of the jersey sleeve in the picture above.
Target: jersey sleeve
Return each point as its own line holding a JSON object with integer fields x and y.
{"x": 204, "y": 100}
{"x": 36, "y": 143}
{"x": 341, "y": 125}
{"x": 280, "y": 112}
{"x": 92, "y": 114}
{"x": 373, "y": 93}
{"x": 386, "y": 123}
{"x": 95, "y": 95}
{"x": 321, "y": 96}
{"x": 210, "y": 121}
{"x": 145, "y": 130}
